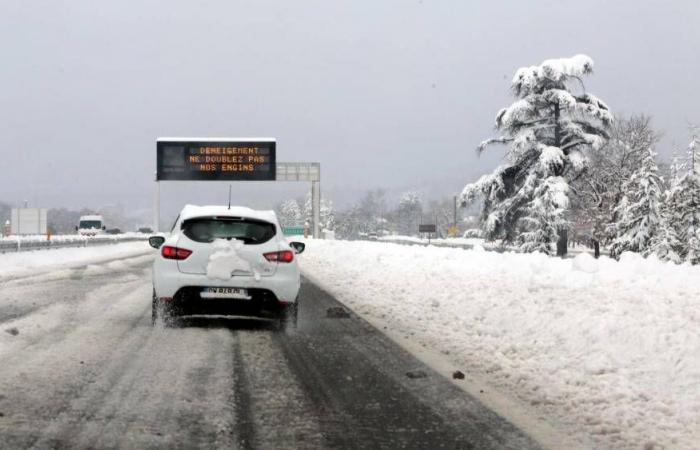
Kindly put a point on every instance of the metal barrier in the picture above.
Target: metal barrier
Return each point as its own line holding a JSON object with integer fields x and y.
{"x": 19, "y": 245}
{"x": 444, "y": 244}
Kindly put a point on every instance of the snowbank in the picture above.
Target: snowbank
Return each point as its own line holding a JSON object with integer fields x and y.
{"x": 39, "y": 261}
{"x": 609, "y": 351}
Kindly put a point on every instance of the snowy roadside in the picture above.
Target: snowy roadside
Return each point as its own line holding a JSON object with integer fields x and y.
{"x": 19, "y": 265}
{"x": 608, "y": 351}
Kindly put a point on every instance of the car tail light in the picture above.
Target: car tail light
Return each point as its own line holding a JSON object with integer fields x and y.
{"x": 169, "y": 252}
{"x": 285, "y": 256}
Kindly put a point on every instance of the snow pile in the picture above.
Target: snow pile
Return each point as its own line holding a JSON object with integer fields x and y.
{"x": 226, "y": 260}
{"x": 608, "y": 350}
{"x": 584, "y": 262}
{"x": 34, "y": 262}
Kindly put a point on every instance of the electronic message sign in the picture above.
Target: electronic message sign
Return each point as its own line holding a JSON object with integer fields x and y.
{"x": 215, "y": 160}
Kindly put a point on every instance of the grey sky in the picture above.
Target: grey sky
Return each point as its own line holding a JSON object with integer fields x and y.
{"x": 383, "y": 93}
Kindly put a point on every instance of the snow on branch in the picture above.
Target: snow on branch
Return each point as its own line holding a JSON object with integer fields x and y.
{"x": 551, "y": 158}
{"x": 499, "y": 140}
{"x": 592, "y": 105}
{"x": 528, "y": 79}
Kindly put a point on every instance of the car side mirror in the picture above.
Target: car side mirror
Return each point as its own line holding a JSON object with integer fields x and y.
{"x": 156, "y": 241}
{"x": 76, "y": 228}
{"x": 298, "y": 247}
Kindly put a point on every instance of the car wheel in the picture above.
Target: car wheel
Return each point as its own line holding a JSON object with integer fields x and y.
{"x": 162, "y": 311}
{"x": 289, "y": 318}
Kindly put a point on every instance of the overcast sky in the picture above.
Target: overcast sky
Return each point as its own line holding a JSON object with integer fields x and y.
{"x": 392, "y": 94}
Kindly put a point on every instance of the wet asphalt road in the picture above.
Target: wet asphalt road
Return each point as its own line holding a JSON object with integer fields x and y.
{"x": 82, "y": 367}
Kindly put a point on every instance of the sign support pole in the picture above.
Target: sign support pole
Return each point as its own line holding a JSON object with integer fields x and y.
{"x": 156, "y": 208}
{"x": 316, "y": 207}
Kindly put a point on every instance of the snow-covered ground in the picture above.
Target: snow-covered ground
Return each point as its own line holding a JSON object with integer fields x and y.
{"x": 608, "y": 351}
{"x": 39, "y": 261}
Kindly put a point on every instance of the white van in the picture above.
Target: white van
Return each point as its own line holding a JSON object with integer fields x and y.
{"x": 92, "y": 225}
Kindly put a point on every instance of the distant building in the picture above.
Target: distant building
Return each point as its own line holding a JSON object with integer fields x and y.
{"x": 25, "y": 221}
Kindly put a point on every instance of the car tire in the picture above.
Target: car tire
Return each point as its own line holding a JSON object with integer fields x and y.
{"x": 289, "y": 317}
{"x": 160, "y": 311}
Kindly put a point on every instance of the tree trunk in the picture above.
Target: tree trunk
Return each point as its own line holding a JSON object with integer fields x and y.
{"x": 557, "y": 130}
{"x": 562, "y": 243}
{"x": 596, "y": 248}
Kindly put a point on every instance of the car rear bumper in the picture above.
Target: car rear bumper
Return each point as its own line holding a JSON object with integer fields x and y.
{"x": 187, "y": 301}
{"x": 284, "y": 286}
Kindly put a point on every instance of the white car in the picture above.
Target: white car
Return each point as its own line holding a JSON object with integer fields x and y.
{"x": 222, "y": 260}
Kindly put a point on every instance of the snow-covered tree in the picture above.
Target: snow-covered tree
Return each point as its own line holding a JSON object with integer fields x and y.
{"x": 677, "y": 168}
{"x": 326, "y": 213}
{"x": 639, "y": 212}
{"x": 549, "y": 131}
{"x": 442, "y": 211}
{"x": 409, "y": 213}
{"x": 684, "y": 205}
{"x": 349, "y": 224}
{"x": 599, "y": 191}
{"x": 289, "y": 213}
{"x": 666, "y": 244}
{"x": 366, "y": 216}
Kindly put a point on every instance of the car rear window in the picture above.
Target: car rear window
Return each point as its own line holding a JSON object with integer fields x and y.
{"x": 210, "y": 228}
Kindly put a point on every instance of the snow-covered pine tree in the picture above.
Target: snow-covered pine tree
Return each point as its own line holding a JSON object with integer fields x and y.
{"x": 289, "y": 214}
{"x": 599, "y": 192}
{"x": 326, "y": 213}
{"x": 409, "y": 213}
{"x": 677, "y": 167}
{"x": 684, "y": 205}
{"x": 639, "y": 212}
{"x": 665, "y": 244}
{"x": 548, "y": 130}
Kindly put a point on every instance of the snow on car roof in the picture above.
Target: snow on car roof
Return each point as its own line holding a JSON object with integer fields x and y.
{"x": 216, "y": 139}
{"x": 192, "y": 211}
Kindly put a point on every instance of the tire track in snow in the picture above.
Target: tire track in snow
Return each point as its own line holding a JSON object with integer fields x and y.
{"x": 272, "y": 410}
{"x": 127, "y": 375}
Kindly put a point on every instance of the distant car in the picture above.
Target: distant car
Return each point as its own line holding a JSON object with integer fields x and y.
{"x": 145, "y": 230}
{"x": 113, "y": 231}
{"x": 225, "y": 261}
{"x": 372, "y": 236}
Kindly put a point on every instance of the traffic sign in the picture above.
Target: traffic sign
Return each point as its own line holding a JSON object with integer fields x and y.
{"x": 427, "y": 228}
{"x": 202, "y": 159}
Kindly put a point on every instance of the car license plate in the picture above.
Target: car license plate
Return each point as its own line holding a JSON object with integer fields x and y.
{"x": 225, "y": 292}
